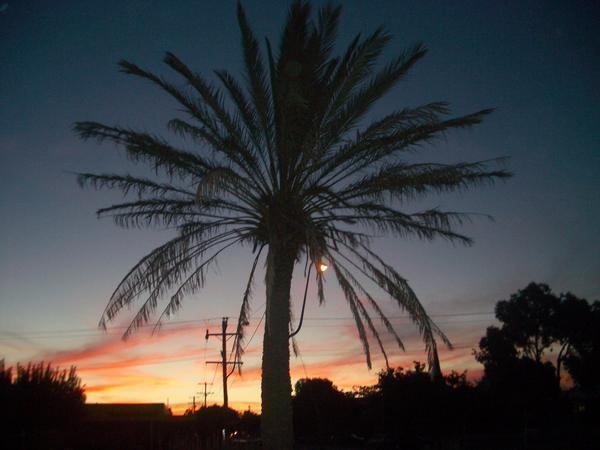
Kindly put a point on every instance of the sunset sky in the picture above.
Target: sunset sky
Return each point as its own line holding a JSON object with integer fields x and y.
{"x": 535, "y": 61}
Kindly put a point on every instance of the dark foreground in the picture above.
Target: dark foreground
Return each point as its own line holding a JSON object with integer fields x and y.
{"x": 179, "y": 433}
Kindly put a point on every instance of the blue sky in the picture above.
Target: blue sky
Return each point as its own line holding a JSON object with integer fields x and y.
{"x": 536, "y": 62}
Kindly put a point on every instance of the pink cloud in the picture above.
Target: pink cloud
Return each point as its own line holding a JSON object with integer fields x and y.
{"x": 110, "y": 345}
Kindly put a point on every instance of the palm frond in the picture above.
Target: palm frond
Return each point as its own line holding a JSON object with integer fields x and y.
{"x": 357, "y": 313}
{"x": 127, "y": 183}
{"x": 373, "y": 303}
{"x": 337, "y": 157}
{"x": 397, "y": 287}
{"x": 192, "y": 284}
{"x": 359, "y": 103}
{"x": 197, "y": 110}
{"x": 354, "y": 67}
{"x": 258, "y": 88}
{"x": 244, "y": 315}
{"x": 365, "y": 152}
{"x": 426, "y": 225}
{"x": 347, "y": 281}
{"x": 411, "y": 181}
{"x": 164, "y": 267}
{"x": 142, "y": 147}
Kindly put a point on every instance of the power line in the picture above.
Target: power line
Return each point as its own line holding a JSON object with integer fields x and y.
{"x": 472, "y": 313}
{"x": 255, "y": 330}
{"x": 214, "y": 375}
{"x": 116, "y": 327}
{"x": 91, "y": 332}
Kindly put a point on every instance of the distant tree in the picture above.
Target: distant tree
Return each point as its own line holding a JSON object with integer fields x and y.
{"x": 249, "y": 423}
{"x": 5, "y": 377}
{"x": 496, "y": 349}
{"x": 321, "y": 410}
{"x": 457, "y": 380}
{"x": 38, "y": 397}
{"x": 573, "y": 324}
{"x": 46, "y": 394}
{"x": 535, "y": 322}
{"x": 527, "y": 319}
{"x": 403, "y": 405}
{"x": 512, "y": 355}
{"x": 518, "y": 374}
{"x": 406, "y": 396}
{"x": 508, "y": 372}
{"x": 6, "y": 391}
{"x": 583, "y": 359}
{"x": 415, "y": 405}
{"x": 216, "y": 418}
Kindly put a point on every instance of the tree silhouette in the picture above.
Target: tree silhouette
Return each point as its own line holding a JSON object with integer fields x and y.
{"x": 518, "y": 372}
{"x": 412, "y": 404}
{"x": 285, "y": 161}
{"x": 496, "y": 349}
{"x": 534, "y": 322}
{"x": 583, "y": 358}
{"x": 527, "y": 319}
{"x": 573, "y": 324}
{"x": 512, "y": 355}
{"x": 321, "y": 410}
{"x": 216, "y": 418}
{"x": 38, "y": 397}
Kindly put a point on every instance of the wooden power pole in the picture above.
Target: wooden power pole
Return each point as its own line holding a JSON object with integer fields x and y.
{"x": 205, "y": 393}
{"x": 224, "y": 335}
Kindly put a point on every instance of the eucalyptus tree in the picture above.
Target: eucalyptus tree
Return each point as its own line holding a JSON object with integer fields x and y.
{"x": 284, "y": 163}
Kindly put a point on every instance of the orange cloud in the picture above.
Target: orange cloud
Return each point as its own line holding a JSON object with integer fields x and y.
{"x": 111, "y": 344}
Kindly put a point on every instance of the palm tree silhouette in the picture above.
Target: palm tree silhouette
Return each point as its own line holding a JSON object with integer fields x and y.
{"x": 284, "y": 162}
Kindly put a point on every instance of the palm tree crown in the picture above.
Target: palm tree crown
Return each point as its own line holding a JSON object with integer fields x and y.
{"x": 284, "y": 158}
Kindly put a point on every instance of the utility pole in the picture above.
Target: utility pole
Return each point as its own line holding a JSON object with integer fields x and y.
{"x": 224, "y": 335}
{"x": 206, "y": 394}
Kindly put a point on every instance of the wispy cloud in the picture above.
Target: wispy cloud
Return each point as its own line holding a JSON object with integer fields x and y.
{"x": 146, "y": 368}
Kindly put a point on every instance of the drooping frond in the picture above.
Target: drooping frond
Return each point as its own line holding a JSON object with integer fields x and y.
{"x": 397, "y": 287}
{"x": 244, "y": 316}
{"x": 373, "y": 304}
{"x": 426, "y": 225}
{"x": 142, "y": 147}
{"x": 357, "y": 312}
{"x": 347, "y": 282}
{"x": 410, "y": 181}
{"x": 190, "y": 285}
{"x": 127, "y": 183}
{"x": 165, "y": 266}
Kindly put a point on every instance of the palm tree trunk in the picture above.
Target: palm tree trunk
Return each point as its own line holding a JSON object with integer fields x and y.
{"x": 276, "y": 417}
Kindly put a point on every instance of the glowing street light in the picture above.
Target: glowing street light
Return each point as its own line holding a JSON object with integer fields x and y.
{"x": 321, "y": 267}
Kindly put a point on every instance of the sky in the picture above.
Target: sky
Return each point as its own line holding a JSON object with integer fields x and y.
{"x": 535, "y": 62}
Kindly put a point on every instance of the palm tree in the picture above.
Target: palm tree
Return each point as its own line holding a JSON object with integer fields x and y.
{"x": 286, "y": 165}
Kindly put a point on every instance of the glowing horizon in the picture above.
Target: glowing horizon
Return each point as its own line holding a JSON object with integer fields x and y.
{"x": 170, "y": 367}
